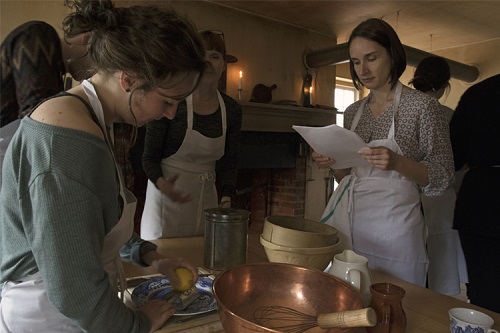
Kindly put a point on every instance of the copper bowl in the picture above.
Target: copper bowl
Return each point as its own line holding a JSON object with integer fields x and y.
{"x": 240, "y": 290}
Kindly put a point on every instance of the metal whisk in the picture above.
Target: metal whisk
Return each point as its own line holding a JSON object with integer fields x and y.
{"x": 288, "y": 320}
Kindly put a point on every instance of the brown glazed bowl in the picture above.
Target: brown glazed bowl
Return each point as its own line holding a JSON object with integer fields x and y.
{"x": 240, "y": 290}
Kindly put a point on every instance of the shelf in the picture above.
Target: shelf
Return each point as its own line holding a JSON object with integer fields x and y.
{"x": 261, "y": 117}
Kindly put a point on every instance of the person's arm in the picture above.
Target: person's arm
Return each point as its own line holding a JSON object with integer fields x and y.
{"x": 154, "y": 141}
{"x": 66, "y": 239}
{"x": 168, "y": 265}
{"x": 434, "y": 140}
{"x": 37, "y": 66}
{"x": 326, "y": 162}
{"x": 144, "y": 253}
{"x": 434, "y": 173}
{"x": 154, "y": 152}
{"x": 229, "y": 162}
{"x": 385, "y": 159}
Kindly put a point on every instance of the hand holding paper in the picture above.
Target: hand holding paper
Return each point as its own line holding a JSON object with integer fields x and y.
{"x": 335, "y": 142}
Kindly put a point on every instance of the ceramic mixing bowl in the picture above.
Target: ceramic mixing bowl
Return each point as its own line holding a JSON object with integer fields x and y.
{"x": 298, "y": 232}
{"x": 313, "y": 257}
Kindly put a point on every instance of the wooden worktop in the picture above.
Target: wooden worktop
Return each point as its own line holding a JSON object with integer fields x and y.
{"x": 426, "y": 310}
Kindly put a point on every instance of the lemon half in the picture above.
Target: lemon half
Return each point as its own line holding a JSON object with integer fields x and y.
{"x": 186, "y": 279}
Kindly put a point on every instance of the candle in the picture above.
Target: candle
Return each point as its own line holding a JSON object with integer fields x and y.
{"x": 310, "y": 95}
{"x": 241, "y": 80}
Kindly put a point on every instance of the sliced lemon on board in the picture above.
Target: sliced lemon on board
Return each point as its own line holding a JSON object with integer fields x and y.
{"x": 186, "y": 279}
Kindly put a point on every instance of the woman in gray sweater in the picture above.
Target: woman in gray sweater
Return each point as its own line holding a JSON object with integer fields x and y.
{"x": 66, "y": 214}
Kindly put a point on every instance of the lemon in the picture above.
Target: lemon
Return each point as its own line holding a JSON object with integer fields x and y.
{"x": 186, "y": 279}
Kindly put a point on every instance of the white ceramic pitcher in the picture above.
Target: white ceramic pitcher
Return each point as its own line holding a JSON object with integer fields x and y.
{"x": 353, "y": 269}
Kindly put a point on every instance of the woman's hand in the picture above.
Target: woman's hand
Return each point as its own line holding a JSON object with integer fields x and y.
{"x": 167, "y": 186}
{"x": 380, "y": 157}
{"x": 385, "y": 159}
{"x": 326, "y": 162}
{"x": 158, "y": 312}
{"x": 225, "y": 202}
{"x": 167, "y": 266}
{"x": 322, "y": 161}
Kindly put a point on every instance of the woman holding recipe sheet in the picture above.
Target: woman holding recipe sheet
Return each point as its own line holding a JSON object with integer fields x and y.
{"x": 376, "y": 207}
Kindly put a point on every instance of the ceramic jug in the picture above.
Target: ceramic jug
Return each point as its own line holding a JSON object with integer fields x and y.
{"x": 353, "y": 269}
{"x": 387, "y": 303}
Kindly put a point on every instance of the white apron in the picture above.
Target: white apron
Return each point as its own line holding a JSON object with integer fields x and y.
{"x": 124, "y": 229}
{"x": 194, "y": 162}
{"x": 25, "y": 306}
{"x": 337, "y": 212}
{"x": 446, "y": 260}
{"x": 385, "y": 223}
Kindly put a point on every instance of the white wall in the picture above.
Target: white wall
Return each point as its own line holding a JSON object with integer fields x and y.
{"x": 268, "y": 52}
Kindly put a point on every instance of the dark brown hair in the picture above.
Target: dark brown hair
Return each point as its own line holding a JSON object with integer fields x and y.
{"x": 151, "y": 43}
{"x": 381, "y": 32}
{"x": 214, "y": 41}
{"x": 432, "y": 73}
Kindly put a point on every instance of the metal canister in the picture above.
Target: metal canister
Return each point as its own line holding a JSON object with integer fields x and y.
{"x": 226, "y": 237}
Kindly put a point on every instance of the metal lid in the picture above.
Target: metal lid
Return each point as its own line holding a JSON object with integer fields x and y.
{"x": 226, "y": 214}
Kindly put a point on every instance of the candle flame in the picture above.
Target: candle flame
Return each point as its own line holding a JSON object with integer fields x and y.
{"x": 310, "y": 89}
{"x": 241, "y": 74}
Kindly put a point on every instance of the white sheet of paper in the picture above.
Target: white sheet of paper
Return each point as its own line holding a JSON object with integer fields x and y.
{"x": 335, "y": 142}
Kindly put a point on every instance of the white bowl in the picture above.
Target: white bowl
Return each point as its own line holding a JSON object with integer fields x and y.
{"x": 293, "y": 231}
{"x": 312, "y": 257}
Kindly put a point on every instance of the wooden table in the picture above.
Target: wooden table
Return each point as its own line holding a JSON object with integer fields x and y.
{"x": 426, "y": 310}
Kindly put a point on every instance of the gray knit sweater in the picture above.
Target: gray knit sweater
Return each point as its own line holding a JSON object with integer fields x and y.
{"x": 58, "y": 200}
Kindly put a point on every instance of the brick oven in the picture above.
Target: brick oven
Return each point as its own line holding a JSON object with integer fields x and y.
{"x": 271, "y": 175}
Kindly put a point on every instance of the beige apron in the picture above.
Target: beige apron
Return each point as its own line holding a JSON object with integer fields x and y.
{"x": 385, "y": 223}
{"x": 25, "y": 306}
{"x": 194, "y": 162}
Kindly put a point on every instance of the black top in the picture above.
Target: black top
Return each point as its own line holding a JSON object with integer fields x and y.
{"x": 31, "y": 69}
{"x": 475, "y": 137}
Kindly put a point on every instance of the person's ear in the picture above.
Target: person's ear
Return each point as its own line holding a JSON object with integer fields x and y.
{"x": 84, "y": 38}
{"x": 127, "y": 82}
